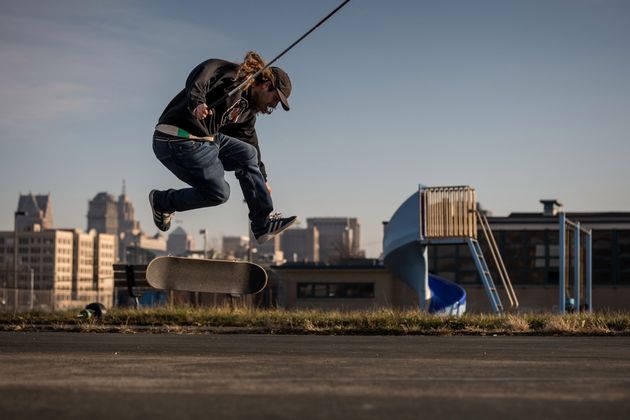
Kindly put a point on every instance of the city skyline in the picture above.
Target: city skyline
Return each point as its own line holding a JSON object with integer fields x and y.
{"x": 115, "y": 215}
{"x": 521, "y": 100}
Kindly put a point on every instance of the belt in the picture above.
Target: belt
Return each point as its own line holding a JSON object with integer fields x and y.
{"x": 171, "y": 130}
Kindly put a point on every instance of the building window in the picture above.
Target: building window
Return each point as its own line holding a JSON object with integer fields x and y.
{"x": 336, "y": 290}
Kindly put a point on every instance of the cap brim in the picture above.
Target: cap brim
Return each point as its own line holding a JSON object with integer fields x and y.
{"x": 283, "y": 100}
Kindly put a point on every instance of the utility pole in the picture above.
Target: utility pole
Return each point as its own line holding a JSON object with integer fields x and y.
{"x": 32, "y": 271}
{"x": 204, "y": 232}
{"x": 15, "y": 258}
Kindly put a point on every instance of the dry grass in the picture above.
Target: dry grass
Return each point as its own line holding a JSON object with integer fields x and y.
{"x": 185, "y": 320}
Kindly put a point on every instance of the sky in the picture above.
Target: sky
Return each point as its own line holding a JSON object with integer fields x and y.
{"x": 522, "y": 100}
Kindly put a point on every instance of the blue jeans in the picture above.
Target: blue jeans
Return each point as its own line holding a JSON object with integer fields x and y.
{"x": 202, "y": 165}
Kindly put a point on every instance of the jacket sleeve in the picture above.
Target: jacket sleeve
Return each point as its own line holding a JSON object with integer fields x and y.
{"x": 200, "y": 81}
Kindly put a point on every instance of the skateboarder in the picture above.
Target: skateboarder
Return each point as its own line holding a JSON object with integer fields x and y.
{"x": 198, "y": 144}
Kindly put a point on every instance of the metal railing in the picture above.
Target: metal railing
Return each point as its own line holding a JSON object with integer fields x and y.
{"x": 24, "y": 300}
{"x": 498, "y": 260}
{"x": 567, "y": 229}
{"x": 28, "y": 300}
{"x": 448, "y": 212}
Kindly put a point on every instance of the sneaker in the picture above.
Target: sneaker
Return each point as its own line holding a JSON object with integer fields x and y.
{"x": 275, "y": 224}
{"x": 161, "y": 219}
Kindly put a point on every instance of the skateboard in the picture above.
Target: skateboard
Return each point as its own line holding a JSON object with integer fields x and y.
{"x": 207, "y": 276}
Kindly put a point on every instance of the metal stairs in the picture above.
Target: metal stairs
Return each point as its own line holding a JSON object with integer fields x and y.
{"x": 484, "y": 269}
{"x": 486, "y": 276}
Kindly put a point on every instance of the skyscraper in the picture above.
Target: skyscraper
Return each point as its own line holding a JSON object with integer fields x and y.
{"x": 34, "y": 210}
{"x": 103, "y": 214}
{"x": 127, "y": 222}
{"x": 179, "y": 242}
{"x": 117, "y": 217}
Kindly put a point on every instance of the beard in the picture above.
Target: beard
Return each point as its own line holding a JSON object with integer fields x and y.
{"x": 267, "y": 111}
{"x": 257, "y": 104}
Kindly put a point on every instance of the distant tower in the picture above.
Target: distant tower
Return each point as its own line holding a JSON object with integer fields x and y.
{"x": 117, "y": 217}
{"x": 127, "y": 222}
{"x": 34, "y": 210}
{"x": 103, "y": 214}
{"x": 128, "y": 226}
{"x": 179, "y": 242}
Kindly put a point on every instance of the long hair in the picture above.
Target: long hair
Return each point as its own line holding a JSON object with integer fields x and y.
{"x": 250, "y": 65}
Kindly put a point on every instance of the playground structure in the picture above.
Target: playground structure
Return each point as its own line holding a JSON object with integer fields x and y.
{"x": 442, "y": 216}
{"x": 570, "y": 234}
{"x": 449, "y": 216}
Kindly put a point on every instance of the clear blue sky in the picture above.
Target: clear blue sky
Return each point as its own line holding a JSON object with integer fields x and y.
{"x": 521, "y": 99}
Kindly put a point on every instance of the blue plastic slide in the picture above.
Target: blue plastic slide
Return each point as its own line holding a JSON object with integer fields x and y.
{"x": 405, "y": 255}
{"x": 447, "y": 297}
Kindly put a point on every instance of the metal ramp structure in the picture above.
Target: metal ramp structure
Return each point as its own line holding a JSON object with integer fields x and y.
{"x": 442, "y": 216}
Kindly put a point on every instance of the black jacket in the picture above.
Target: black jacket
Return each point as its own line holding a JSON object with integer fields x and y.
{"x": 208, "y": 82}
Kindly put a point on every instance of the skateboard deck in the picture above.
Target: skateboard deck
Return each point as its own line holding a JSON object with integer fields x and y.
{"x": 208, "y": 276}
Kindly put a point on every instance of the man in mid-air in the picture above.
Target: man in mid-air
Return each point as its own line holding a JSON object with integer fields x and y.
{"x": 199, "y": 144}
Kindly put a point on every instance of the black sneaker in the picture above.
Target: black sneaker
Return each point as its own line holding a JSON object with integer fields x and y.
{"x": 161, "y": 219}
{"x": 275, "y": 224}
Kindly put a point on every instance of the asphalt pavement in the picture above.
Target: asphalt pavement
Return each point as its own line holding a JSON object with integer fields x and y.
{"x": 158, "y": 376}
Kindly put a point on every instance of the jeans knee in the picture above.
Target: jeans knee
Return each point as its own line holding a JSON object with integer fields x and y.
{"x": 216, "y": 194}
{"x": 223, "y": 194}
{"x": 252, "y": 154}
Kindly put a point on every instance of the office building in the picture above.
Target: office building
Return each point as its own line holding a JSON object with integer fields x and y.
{"x": 107, "y": 214}
{"x": 364, "y": 286}
{"x": 103, "y": 277}
{"x": 57, "y": 269}
{"x": 103, "y": 214}
{"x": 179, "y": 242}
{"x": 339, "y": 237}
{"x": 127, "y": 222}
{"x": 34, "y": 210}
{"x": 300, "y": 245}
{"x": 529, "y": 246}
{"x": 141, "y": 248}
{"x": 235, "y": 247}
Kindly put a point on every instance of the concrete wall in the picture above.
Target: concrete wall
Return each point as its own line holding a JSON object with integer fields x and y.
{"x": 388, "y": 292}
{"x": 546, "y": 298}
